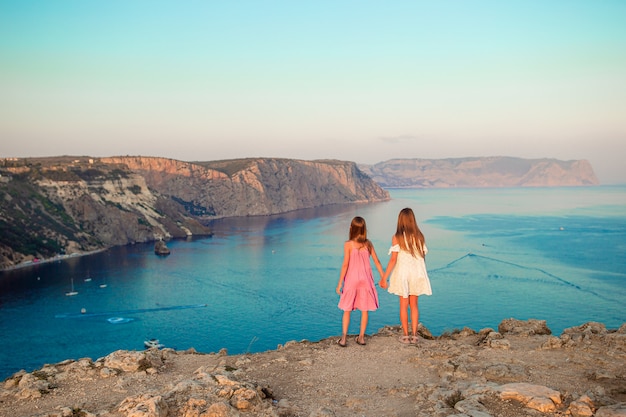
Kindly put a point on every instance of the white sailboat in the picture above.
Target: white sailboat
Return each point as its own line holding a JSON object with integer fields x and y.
{"x": 153, "y": 343}
{"x": 72, "y": 291}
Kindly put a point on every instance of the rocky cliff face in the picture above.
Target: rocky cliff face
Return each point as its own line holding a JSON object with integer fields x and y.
{"x": 65, "y": 205}
{"x": 260, "y": 186}
{"x": 481, "y": 172}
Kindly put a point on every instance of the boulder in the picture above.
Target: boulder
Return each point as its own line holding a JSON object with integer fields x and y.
{"x": 144, "y": 405}
{"x": 582, "y": 407}
{"x": 537, "y": 397}
{"x": 615, "y": 410}
{"x": 132, "y": 361}
{"x": 524, "y": 328}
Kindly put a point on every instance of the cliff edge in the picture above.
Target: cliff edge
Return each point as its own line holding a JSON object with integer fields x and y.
{"x": 254, "y": 186}
{"x": 519, "y": 369}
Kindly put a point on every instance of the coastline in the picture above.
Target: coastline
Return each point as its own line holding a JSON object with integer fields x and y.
{"x": 31, "y": 263}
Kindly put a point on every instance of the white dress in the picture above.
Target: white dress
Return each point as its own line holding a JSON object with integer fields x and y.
{"x": 409, "y": 276}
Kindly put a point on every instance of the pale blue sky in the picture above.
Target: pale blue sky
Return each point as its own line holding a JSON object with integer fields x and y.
{"x": 364, "y": 81}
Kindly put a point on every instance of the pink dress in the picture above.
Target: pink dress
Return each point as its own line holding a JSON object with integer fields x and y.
{"x": 359, "y": 291}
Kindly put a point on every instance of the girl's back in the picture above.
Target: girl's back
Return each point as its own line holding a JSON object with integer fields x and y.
{"x": 358, "y": 288}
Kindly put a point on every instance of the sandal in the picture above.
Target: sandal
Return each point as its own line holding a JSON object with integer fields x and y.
{"x": 341, "y": 344}
{"x": 356, "y": 339}
{"x": 405, "y": 340}
{"x": 414, "y": 339}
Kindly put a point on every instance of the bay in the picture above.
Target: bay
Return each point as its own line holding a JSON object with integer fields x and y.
{"x": 557, "y": 254}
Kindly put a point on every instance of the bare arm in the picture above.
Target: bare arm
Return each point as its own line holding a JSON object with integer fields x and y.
{"x": 344, "y": 266}
{"x": 377, "y": 262}
{"x": 390, "y": 265}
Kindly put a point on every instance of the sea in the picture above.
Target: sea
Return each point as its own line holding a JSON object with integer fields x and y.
{"x": 555, "y": 254}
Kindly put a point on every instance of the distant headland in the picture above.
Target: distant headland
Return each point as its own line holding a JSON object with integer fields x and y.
{"x": 495, "y": 171}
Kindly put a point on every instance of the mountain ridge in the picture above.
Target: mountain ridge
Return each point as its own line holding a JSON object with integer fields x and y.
{"x": 476, "y": 172}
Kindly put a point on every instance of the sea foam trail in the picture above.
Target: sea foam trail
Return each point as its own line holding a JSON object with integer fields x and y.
{"x": 119, "y": 313}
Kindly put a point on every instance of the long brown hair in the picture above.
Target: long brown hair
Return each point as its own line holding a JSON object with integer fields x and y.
{"x": 408, "y": 234}
{"x": 358, "y": 232}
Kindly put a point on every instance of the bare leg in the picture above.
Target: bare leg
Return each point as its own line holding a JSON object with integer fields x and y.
{"x": 404, "y": 315}
{"x": 364, "y": 316}
{"x": 414, "y": 314}
{"x": 345, "y": 323}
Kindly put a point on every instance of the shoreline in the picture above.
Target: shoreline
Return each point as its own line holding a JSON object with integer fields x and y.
{"x": 32, "y": 263}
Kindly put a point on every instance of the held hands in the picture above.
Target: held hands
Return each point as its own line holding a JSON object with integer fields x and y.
{"x": 383, "y": 281}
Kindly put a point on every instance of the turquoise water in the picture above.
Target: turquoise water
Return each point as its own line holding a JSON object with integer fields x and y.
{"x": 557, "y": 254}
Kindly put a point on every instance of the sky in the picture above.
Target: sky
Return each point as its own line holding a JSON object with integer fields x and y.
{"x": 364, "y": 81}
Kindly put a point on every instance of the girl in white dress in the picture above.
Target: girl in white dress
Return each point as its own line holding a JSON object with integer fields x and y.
{"x": 407, "y": 267}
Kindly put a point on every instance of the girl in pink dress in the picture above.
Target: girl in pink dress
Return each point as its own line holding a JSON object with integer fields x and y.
{"x": 409, "y": 278}
{"x": 357, "y": 279}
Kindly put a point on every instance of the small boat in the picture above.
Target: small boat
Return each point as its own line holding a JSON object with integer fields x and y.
{"x": 72, "y": 291}
{"x": 153, "y": 343}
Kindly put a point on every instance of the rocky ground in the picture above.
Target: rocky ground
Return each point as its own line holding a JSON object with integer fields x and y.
{"x": 519, "y": 369}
